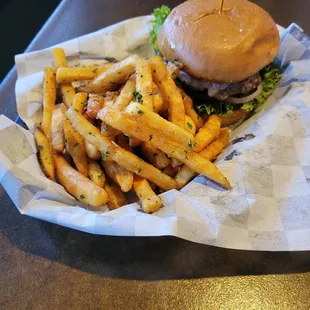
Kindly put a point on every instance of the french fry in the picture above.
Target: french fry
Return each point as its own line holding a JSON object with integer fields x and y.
{"x": 111, "y": 151}
{"x": 45, "y": 154}
{"x": 59, "y": 58}
{"x": 175, "y": 163}
{"x": 159, "y": 124}
{"x": 116, "y": 75}
{"x": 144, "y": 83}
{"x": 126, "y": 95}
{"x": 67, "y": 91}
{"x": 49, "y": 100}
{"x": 117, "y": 198}
{"x": 108, "y": 131}
{"x": 58, "y": 138}
{"x": 133, "y": 142}
{"x": 132, "y": 125}
{"x": 169, "y": 90}
{"x": 94, "y": 105}
{"x": 216, "y": 147}
{"x": 190, "y": 111}
{"x": 155, "y": 156}
{"x": 91, "y": 151}
{"x": 123, "y": 142}
{"x": 96, "y": 174}
{"x": 208, "y": 133}
{"x": 78, "y": 185}
{"x": 69, "y": 75}
{"x": 119, "y": 175}
{"x": 190, "y": 126}
{"x": 149, "y": 200}
{"x": 75, "y": 147}
{"x": 171, "y": 171}
{"x": 173, "y": 70}
{"x": 159, "y": 105}
{"x": 210, "y": 152}
{"x": 79, "y": 102}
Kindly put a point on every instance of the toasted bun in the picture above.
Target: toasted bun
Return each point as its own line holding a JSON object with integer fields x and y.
{"x": 229, "y": 119}
{"x": 222, "y": 48}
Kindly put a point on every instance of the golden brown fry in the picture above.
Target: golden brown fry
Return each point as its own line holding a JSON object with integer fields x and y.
{"x": 190, "y": 111}
{"x": 111, "y": 151}
{"x": 75, "y": 147}
{"x": 96, "y": 173}
{"x": 58, "y": 138}
{"x": 216, "y": 147}
{"x": 108, "y": 131}
{"x": 190, "y": 125}
{"x": 45, "y": 154}
{"x": 155, "y": 156}
{"x": 208, "y": 133}
{"x": 69, "y": 75}
{"x": 119, "y": 175}
{"x": 49, "y": 100}
{"x": 159, "y": 105}
{"x": 169, "y": 90}
{"x": 118, "y": 74}
{"x": 133, "y": 142}
{"x": 78, "y": 185}
{"x": 149, "y": 200}
{"x": 117, "y": 198}
{"x": 159, "y": 124}
{"x": 173, "y": 70}
{"x": 126, "y": 95}
{"x": 94, "y": 105}
{"x": 123, "y": 142}
{"x": 132, "y": 125}
{"x": 210, "y": 152}
{"x": 67, "y": 91}
{"x": 144, "y": 87}
{"x": 122, "y": 101}
{"x": 171, "y": 171}
{"x": 91, "y": 151}
{"x": 59, "y": 58}
{"x": 79, "y": 102}
{"x": 175, "y": 163}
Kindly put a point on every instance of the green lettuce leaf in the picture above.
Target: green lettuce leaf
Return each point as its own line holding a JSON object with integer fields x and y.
{"x": 160, "y": 15}
{"x": 270, "y": 78}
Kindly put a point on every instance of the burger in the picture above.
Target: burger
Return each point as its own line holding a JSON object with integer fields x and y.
{"x": 225, "y": 56}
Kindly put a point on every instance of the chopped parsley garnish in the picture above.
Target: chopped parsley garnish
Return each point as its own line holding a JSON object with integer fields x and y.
{"x": 82, "y": 196}
{"x": 191, "y": 144}
{"x": 40, "y": 147}
{"x": 105, "y": 155}
{"x": 138, "y": 96}
{"x": 190, "y": 126}
{"x": 151, "y": 137}
{"x": 141, "y": 76}
{"x": 139, "y": 170}
{"x": 95, "y": 70}
{"x": 140, "y": 112}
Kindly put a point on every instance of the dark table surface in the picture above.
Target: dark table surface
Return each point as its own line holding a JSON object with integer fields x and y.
{"x": 45, "y": 266}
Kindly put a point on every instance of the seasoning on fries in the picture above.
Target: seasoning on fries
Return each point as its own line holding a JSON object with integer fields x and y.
{"x": 127, "y": 127}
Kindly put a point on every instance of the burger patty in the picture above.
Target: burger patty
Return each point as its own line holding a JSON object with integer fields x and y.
{"x": 242, "y": 87}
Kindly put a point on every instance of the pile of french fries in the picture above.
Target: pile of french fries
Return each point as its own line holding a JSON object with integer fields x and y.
{"x": 123, "y": 127}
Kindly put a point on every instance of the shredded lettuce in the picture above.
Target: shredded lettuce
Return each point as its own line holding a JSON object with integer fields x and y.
{"x": 215, "y": 107}
{"x": 160, "y": 15}
{"x": 270, "y": 78}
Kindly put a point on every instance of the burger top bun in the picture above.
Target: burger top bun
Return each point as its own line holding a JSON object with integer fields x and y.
{"x": 221, "y": 48}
